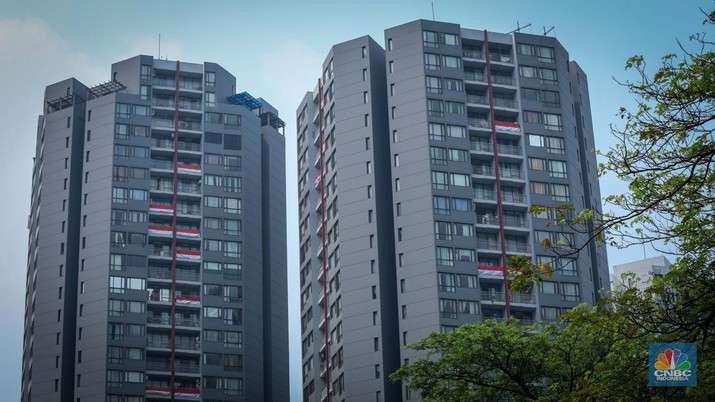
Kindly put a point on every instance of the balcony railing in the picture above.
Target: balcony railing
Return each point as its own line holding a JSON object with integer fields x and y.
{"x": 185, "y": 344}
{"x": 161, "y": 164}
{"x": 182, "y": 145}
{"x": 166, "y": 366}
{"x": 471, "y": 76}
{"x": 513, "y": 221}
{"x": 501, "y": 58}
{"x": 170, "y": 103}
{"x": 517, "y": 247}
{"x": 480, "y": 100}
{"x": 513, "y": 197}
{"x": 511, "y": 174}
{"x": 483, "y": 170}
{"x": 510, "y": 103}
{"x": 492, "y": 296}
{"x": 480, "y": 146}
{"x": 484, "y": 195}
{"x": 501, "y": 80}
{"x": 509, "y": 149}
{"x": 182, "y": 187}
{"x": 479, "y": 123}
{"x": 519, "y": 297}
{"x": 188, "y": 209}
{"x": 473, "y": 54}
{"x": 183, "y": 125}
{"x": 183, "y": 322}
{"x": 183, "y": 84}
{"x": 487, "y": 244}
{"x": 487, "y": 220}
{"x": 181, "y": 275}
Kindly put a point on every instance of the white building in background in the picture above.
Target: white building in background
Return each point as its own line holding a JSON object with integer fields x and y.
{"x": 644, "y": 270}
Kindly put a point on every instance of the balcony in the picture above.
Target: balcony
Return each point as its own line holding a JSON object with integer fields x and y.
{"x": 483, "y": 170}
{"x": 474, "y": 76}
{"x": 180, "y": 322}
{"x": 179, "y": 393}
{"x": 192, "y": 85}
{"x": 480, "y": 146}
{"x": 488, "y": 244}
{"x": 178, "y": 367}
{"x": 477, "y": 99}
{"x": 181, "y": 145}
{"x": 500, "y": 58}
{"x": 511, "y": 174}
{"x": 181, "y": 274}
{"x": 183, "y": 104}
{"x": 182, "y": 125}
{"x": 513, "y": 198}
{"x": 479, "y": 123}
{"x": 509, "y": 149}
{"x": 194, "y": 301}
{"x": 502, "y": 80}
{"x": 182, "y": 186}
{"x": 507, "y": 127}
{"x": 473, "y": 54}
{"x": 506, "y": 103}
{"x": 517, "y": 247}
{"x": 492, "y": 296}
{"x": 183, "y": 344}
{"x": 487, "y": 220}
{"x": 514, "y": 221}
{"x": 484, "y": 195}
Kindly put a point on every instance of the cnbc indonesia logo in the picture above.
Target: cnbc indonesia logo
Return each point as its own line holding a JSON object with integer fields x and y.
{"x": 671, "y": 366}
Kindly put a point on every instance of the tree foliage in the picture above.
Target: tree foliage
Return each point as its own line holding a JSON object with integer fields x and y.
{"x": 665, "y": 151}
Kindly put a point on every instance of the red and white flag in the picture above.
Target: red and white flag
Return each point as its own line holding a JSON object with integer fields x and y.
{"x": 507, "y": 127}
{"x": 193, "y": 394}
{"x": 160, "y": 230}
{"x": 190, "y": 300}
{"x": 188, "y": 233}
{"x": 161, "y": 209}
{"x": 159, "y": 391}
{"x": 491, "y": 271}
{"x": 187, "y": 168}
{"x": 188, "y": 254}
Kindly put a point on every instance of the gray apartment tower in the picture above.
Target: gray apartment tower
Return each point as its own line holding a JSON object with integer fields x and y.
{"x": 157, "y": 253}
{"x": 417, "y": 164}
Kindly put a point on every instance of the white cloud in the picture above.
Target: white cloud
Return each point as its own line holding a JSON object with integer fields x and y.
{"x": 34, "y": 55}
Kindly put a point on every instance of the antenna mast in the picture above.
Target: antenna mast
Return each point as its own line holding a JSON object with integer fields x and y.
{"x": 547, "y": 32}
{"x": 519, "y": 28}
{"x": 159, "y": 53}
{"x": 432, "y": 10}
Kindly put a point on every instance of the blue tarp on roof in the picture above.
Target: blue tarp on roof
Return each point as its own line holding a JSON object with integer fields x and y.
{"x": 245, "y": 99}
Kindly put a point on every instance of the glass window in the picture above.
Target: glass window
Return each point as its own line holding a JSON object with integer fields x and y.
{"x": 232, "y": 142}
{"x": 458, "y": 155}
{"x": 467, "y": 281}
{"x": 210, "y": 99}
{"x": 436, "y": 132}
{"x": 442, "y": 230}
{"x": 459, "y": 179}
{"x": 121, "y": 131}
{"x": 570, "y": 291}
{"x": 438, "y": 155}
{"x": 444, "y": 256}
{"x": 210, "y": 117}
{"x": 456, "y": 131}
{"x": 550, "y": 313}
{"x": 453, "y": 84}
{"x": 435, "y": 108}
{"x": 560, "y": 192}
{"x": 465, "y": 255}
{"x": 141, "y": 110}
{"x": 468, "y": 307}
{"x": 528, "y": 72}
{"x": 549, "y": 287}
{"x": 144, "y": 92}
{"x": 454, "y": 107}
{"x": 432, "y": 61}
{"x": 545, "y": 54}
{"x": 448, "y": 308}
{"x": 441, "y": 205}
{"x": 145, "y": 73}
{"x": 557, "y": 169}
{"x": 530, "y": 94}
{"x": 552, "y": 122}
{"x": 430, "y": 39}
{"x": 440, "y": 181}
{"x": 538, "y": 188}
{"x": 451, "y": 61}
{"x": 232, "y": 119}
{"x": 213, "y": 138}
{"x": 434, "y": 84}
{"x": 461, "y": 204}
{"x": 537, "y": 164}
{"x": 210, "y": 79}
{"x": 123, "y": 110}
{"x": 450, "y": 39}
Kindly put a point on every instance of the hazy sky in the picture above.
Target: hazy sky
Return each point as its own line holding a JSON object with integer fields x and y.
{"x": 275, "y": 48}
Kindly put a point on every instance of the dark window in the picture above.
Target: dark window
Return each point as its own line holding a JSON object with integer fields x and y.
{"x": 212, "y": 138}
{"x": 232, "y": 142}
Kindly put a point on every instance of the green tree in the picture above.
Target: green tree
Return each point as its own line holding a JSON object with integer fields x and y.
{"x": 665, "y": 151}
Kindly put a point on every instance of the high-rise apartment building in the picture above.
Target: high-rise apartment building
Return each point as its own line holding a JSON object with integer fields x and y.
{"x": 157, "y": 260}
{"x": 642, "y": 272}
{"x": 417, "y": 165}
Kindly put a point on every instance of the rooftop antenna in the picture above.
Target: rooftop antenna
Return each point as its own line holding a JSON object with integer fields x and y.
{"x": 519, "y": 28}
{"x": 159, "y": 53}
{"x": 432, "y": 10}
{"x": 547, "y": 32}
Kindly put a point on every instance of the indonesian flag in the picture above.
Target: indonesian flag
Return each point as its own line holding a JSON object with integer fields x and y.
{"x": 180, "y": 393}
{"x": 161, "y": 209}
{"x": 491, "y": 271}
{"x": 193, "y": 394}
{"x": 507, "y": 127}
{"x": 187, "y": 168}
{"x": 160, "y": 230}
{"x": 189, "y": 233}
{"x": 188, "y": 254}
{"x": 159, "y": 391}
{"x": 190, "y": 300}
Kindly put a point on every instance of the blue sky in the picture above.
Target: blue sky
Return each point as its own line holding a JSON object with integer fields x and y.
{"x": 275, "y": 49}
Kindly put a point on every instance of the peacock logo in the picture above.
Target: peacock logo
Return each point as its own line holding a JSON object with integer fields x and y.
{"x": 672, "y": 359}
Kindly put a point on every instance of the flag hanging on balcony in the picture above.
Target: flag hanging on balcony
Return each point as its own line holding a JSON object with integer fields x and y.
{"x": 188, "y": 233}
{"x": 160, "y": 230}
{"x": 187, "y": 168}
{"x": 491, "y": 271}
{"x": 188, "y": 394}
{"x": 161, "y": 209}
{"x": 189, "y": 300}
{"x": 158, "y": 391}
{"x": 507, "y": 127}
{"x": 188, "y": 254}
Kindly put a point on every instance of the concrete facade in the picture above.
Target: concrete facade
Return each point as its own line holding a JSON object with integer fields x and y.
{"x": 157, "y": 253}
{"x": 644, "y": 270}
{"x": 436, "y": 147}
